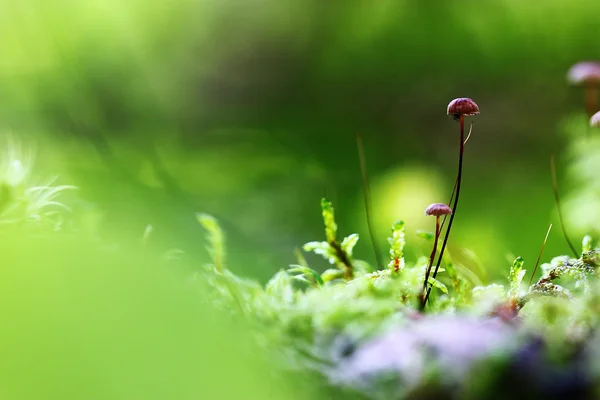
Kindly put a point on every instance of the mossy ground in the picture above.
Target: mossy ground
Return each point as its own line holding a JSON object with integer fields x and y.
{"x": 362, "y": 327}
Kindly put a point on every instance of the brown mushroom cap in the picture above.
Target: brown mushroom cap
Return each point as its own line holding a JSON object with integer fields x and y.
{"x": 585, "y": 72}
{"x": 595, "y": 120}
{"x": 438, "y": 209}
{"x": 462, "y": 106}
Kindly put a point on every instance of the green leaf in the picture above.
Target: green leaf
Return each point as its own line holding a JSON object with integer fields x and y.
{"x": 305, "y": 271}
{"x": 329, "y": 220}
{"x": 301, "y": 278}
{"x": 332, "y": 274}
{"x": 516, "y": 276}
{"x": 587, "y": 243}
{"x": 397, "y": 242}
{"x": 215, "y": 238}
{"x": 437, "y": 284}
{"x": 322, "y": 249}
{"x": 312, "y": 246}
{"x": 348, "y": 243}
{"x": 429, "y": 236}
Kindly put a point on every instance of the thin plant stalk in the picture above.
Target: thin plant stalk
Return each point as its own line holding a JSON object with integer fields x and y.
{"x": 540, "y": 255}
{"x": 431, "y": 258}
{"x": 456, "y": 181}
{"x": 558, "y": 207}
{"x": 455, "y": 205}
{"x": 450, "y": 202}
{"x": 367, "y": 195}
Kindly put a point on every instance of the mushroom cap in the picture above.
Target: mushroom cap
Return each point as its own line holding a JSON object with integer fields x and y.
{"x": 595, "y": 120}
{"x": 462, "y": 106}
{"x": 584, "y": 72}
{"x": 438, "y": 209}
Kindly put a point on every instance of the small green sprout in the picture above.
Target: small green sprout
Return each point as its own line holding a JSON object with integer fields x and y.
{"x": 587, "y": 244}
{"x": 397, "y": 243}
{"x": 516, "y": 277}
{"x": 306, "y": 274}
{"x": 339, "y": 254}
{"x": 216, "y": 240}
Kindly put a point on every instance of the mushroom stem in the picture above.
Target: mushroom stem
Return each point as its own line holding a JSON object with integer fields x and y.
{"x": 591, "y": 99}
{"x": 449, "y": 203}
{"x": 458, "y": 179}
{"x": 431, "y": 258}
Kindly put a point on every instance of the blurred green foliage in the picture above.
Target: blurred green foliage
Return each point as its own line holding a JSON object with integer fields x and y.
{"x": 83, "y": 322}
{"x": 158, "y": 110}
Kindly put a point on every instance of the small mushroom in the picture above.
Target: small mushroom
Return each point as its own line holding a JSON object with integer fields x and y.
{"x": 595, "y": 120}
{"x": 437, "y": 210}
{"x": 462, "y": 106}
{"x": 458, "y": 108}
{"x": 586, "y": 74}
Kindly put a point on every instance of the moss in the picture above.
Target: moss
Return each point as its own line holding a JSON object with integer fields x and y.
{"x": 327, "y": 321}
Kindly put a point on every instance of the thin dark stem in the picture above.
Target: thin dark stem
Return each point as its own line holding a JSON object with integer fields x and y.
{"x": 540, "y": 255}
{"x": 343, "y": 258}
{"x": 558, "y": 207}
{"x": 367, "y": 194}
{"x": 458, "y": 179}
{"x": 430, "y": 264}
{"x": 449, "y": 204}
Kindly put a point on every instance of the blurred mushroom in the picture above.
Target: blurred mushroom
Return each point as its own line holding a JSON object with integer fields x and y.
{"x": 595, "y": 120}
{"x": 586, "y": 74}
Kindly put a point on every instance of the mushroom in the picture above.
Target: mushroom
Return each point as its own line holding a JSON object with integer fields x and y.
{"x": 586, "y": 74}
{"x": 437, "y": 210}
{"x": 595, "y": 120}
{"x": 459, "y": 109}
{"x": 462, "y": 107}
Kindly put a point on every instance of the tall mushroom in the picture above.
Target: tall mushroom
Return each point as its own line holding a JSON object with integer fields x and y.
{"x": 586, "y": 74}
{"x": 459, "y": 109}
{"x": 437, "y": 210}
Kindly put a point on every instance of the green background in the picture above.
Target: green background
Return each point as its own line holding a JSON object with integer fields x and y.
{"x": 248, "y": 110}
